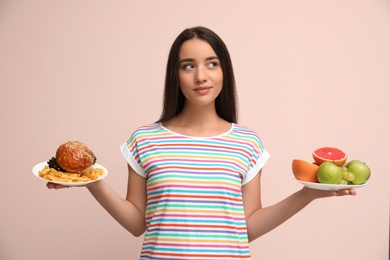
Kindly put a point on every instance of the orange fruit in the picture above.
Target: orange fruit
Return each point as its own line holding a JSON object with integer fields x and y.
{"x": 304, "y": 171}
{"x": 329, "y": 154}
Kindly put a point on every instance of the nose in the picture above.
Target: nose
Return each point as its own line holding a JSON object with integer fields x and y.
{"x": 200, "y": 75}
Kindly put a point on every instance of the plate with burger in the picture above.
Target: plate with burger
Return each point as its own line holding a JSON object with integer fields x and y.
{"x": 73, "y": 165}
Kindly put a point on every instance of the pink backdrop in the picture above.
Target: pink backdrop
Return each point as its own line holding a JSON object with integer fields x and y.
{"x": 309, "y": 74}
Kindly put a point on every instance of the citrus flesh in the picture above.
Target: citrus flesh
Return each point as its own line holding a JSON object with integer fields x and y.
{"x": 304, "y": 171}
{"x": 329, "y": 154}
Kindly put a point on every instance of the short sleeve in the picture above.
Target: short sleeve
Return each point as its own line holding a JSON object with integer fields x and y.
{"x": 259, "y": 164}
{"x": 130, "y": 153}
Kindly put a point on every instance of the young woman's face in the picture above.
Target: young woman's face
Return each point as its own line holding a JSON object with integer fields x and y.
{"x": 200, "y": 72}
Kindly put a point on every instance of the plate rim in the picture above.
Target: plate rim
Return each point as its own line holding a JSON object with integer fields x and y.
{"x": 324, "y": 186}
{"x": 39, "y": 166}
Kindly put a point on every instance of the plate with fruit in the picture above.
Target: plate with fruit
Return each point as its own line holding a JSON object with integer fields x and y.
{"x": 324, "y": 186}
{"x": 331, "y": 171}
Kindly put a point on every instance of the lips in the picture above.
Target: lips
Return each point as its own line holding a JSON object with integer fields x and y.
{"x": 202, "y": 90}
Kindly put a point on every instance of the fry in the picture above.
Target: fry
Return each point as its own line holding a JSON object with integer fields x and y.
{"x": 45, "y": 171}
{"x": 58, "y": 176}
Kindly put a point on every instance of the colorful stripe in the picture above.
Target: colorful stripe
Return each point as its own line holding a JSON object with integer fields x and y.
{"x": 194, "y": 201}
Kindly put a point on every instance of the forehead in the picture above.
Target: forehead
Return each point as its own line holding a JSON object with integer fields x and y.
{"x": 196, "y": 49}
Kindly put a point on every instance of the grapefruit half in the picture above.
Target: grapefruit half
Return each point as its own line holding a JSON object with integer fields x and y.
{"x": 304, "y": 171}
{"x": 329, "y": 154}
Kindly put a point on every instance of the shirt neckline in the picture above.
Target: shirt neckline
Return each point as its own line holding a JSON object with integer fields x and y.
{"x": 197, "y": 137}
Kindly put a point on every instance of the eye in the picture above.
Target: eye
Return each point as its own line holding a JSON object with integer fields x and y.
{"x": 188, "y": 66}
{"x": 213, "y": 64}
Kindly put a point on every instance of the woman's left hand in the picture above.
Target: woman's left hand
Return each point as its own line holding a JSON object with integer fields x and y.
{"x": 317, "y": 194}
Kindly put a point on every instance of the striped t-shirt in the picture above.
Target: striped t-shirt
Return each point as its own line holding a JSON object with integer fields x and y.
{"x": 194, "y": 200}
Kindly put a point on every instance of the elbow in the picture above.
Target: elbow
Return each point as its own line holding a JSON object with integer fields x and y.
{"x": 250, "y": 238}
{"x": 137, "y": 232}
{"x": 255, "y": 230}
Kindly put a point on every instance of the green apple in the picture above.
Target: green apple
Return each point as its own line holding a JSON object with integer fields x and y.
{"x": 361, "y": 171}
{"x": 329, "y": 173}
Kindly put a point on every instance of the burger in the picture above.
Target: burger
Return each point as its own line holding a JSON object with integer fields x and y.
{"x": 73, "y": 157}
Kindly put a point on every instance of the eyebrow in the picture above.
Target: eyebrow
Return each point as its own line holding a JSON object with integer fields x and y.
{"x": 192, "y": 60}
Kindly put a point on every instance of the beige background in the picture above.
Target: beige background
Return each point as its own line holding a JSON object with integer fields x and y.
{"x": 309, "y": 74}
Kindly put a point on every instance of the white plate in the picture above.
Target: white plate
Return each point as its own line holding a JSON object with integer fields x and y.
{"x": 322, "y": 186}
{"x": 41, "y": 165}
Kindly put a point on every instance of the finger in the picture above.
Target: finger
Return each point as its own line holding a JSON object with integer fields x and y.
{"x": 51, "y": 185}
{"x": 346, "y": 192}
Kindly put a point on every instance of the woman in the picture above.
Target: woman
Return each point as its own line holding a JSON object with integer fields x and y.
{"x": 194, "y": 175}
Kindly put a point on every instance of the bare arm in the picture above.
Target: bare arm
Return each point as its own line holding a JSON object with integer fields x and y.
{"x": 129, "y": 212}
{"x": 262, "y": 220}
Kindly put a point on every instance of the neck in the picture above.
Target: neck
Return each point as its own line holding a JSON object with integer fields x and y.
{"x": 199, "y": 116}
{"x": 200, "y": 121}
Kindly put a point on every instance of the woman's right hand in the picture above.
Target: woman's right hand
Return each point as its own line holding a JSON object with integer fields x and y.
{"x": 55, "y": 186}
{"x": 51, "y": 185}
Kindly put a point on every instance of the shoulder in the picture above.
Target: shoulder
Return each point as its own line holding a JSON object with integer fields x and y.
{"x": 146, "y": 130}
{"x": 248, "y": 135}
{"x": 244, "y": 131}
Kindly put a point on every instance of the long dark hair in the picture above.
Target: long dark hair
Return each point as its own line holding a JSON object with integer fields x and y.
{"x": 174, "y": 99}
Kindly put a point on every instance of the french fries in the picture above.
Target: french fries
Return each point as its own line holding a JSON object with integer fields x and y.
{"x": 51, "y": 174}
